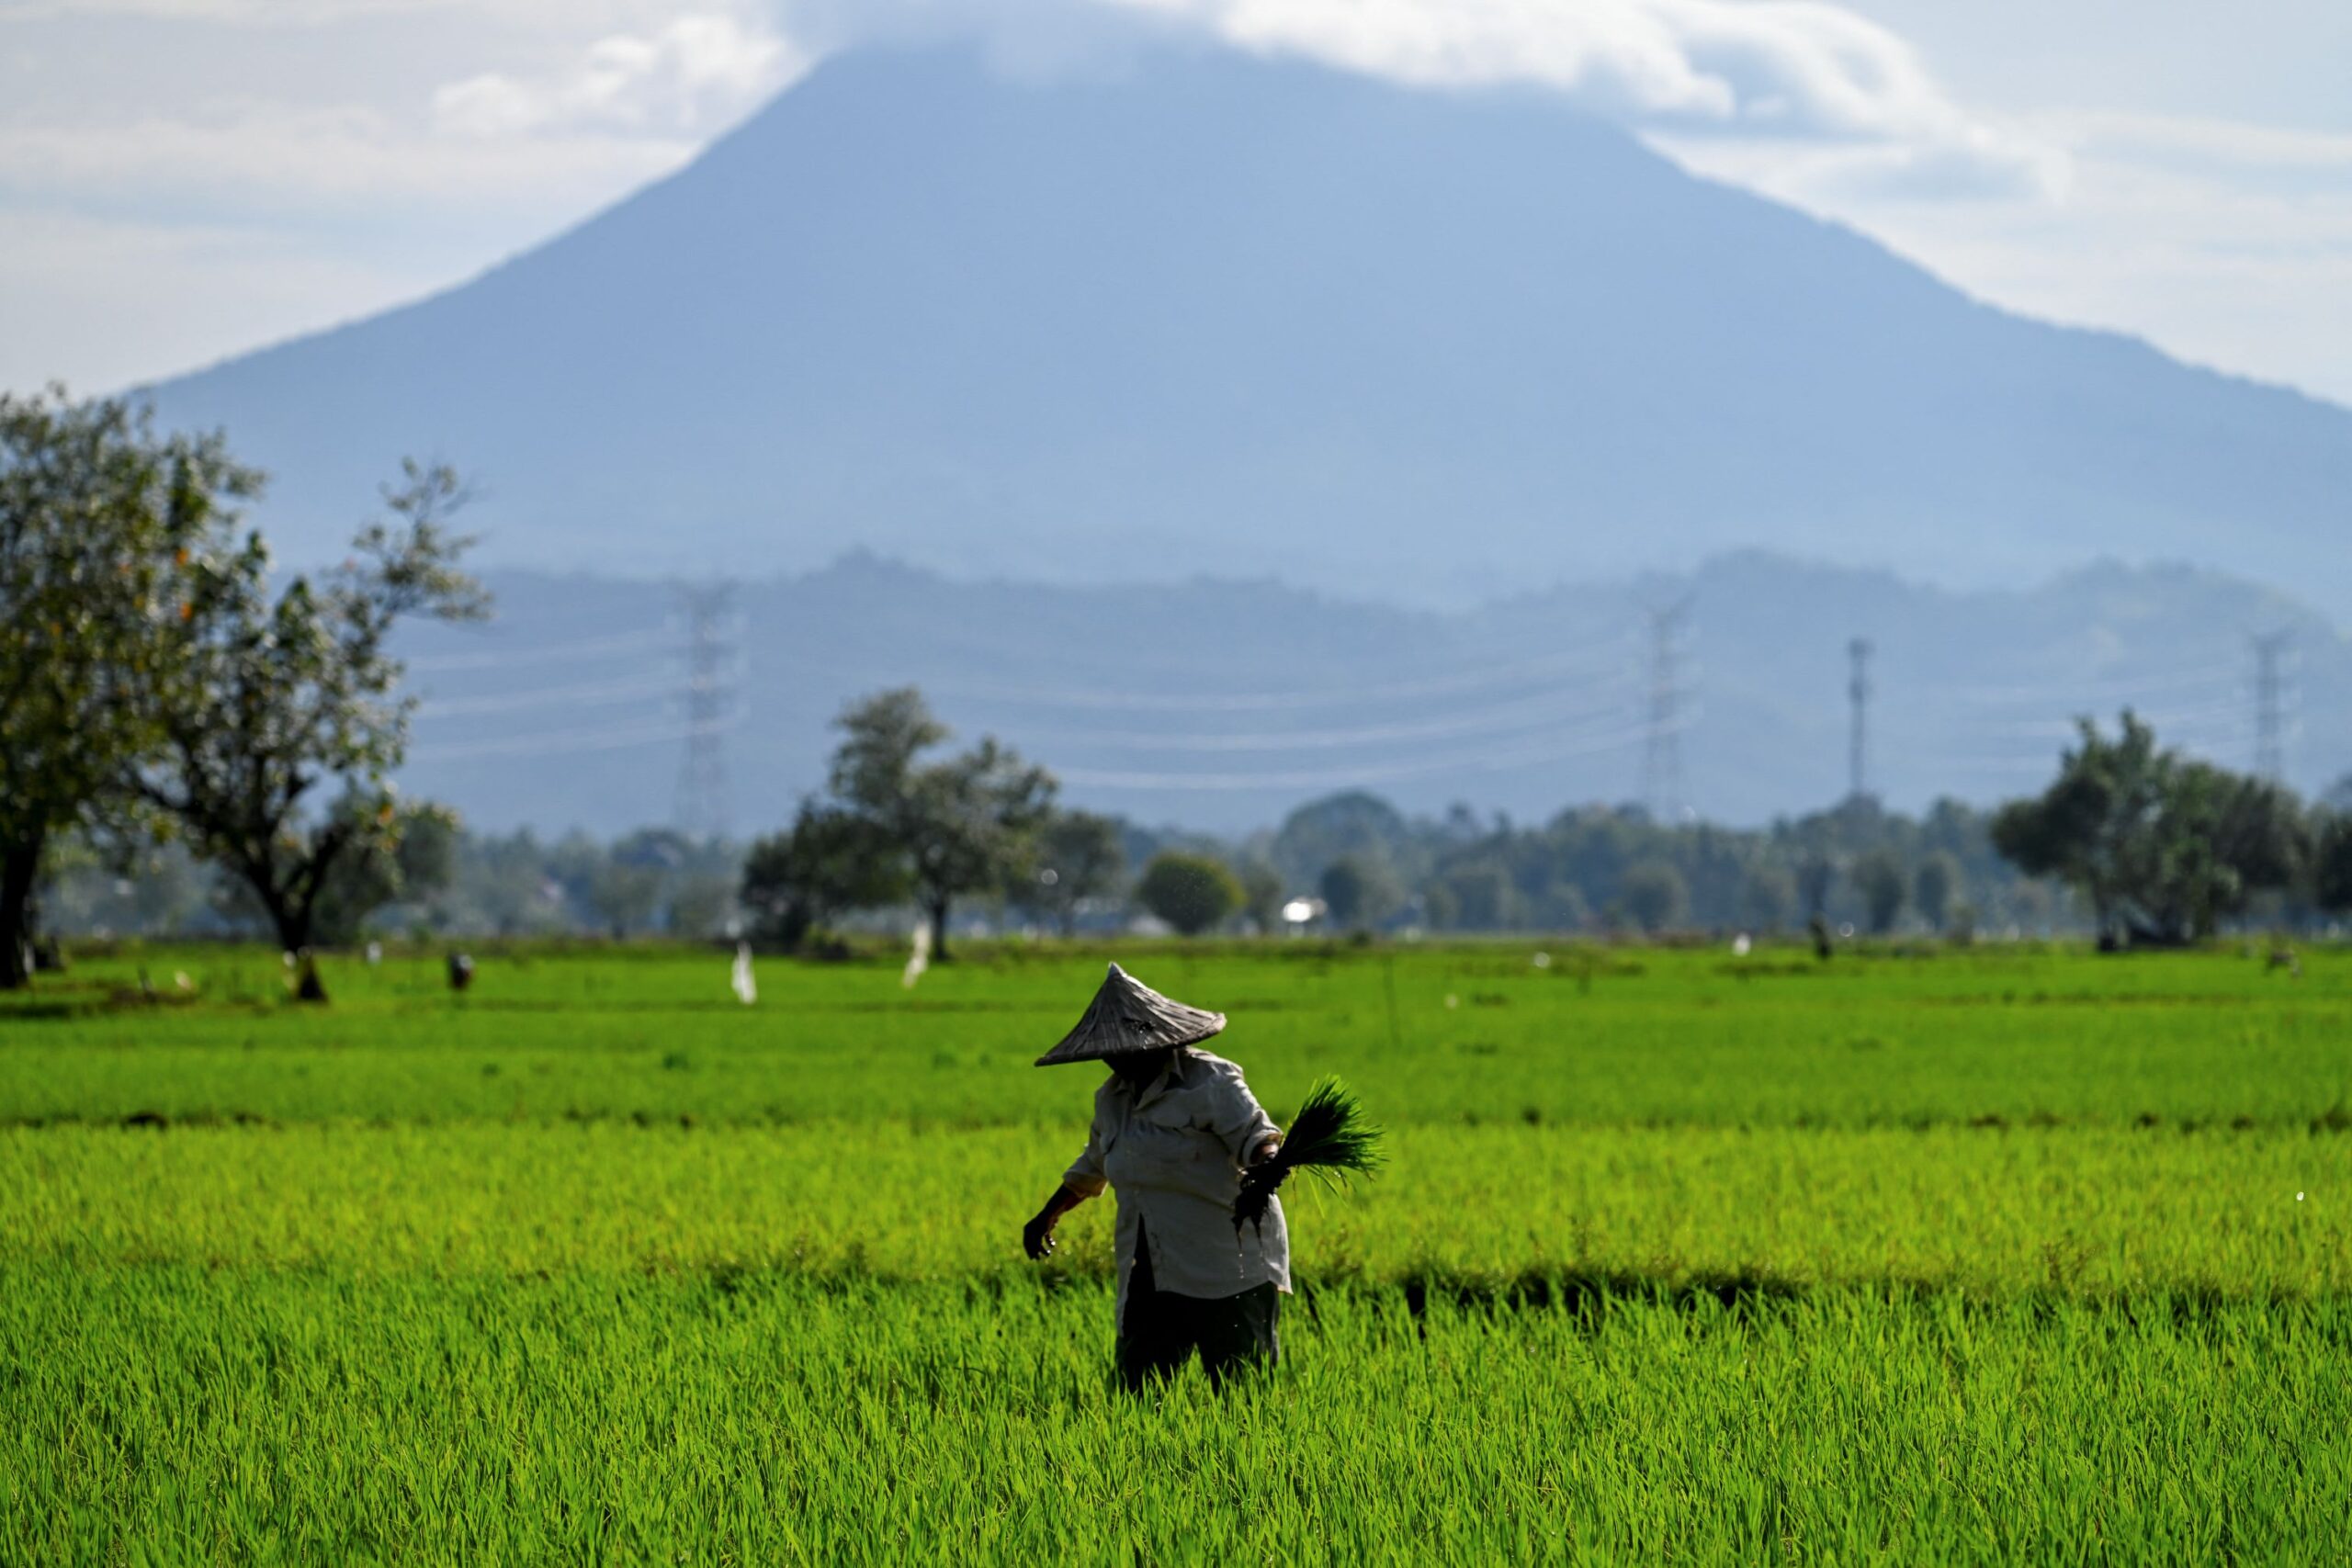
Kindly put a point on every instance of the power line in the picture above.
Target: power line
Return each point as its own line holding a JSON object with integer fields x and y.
{"x": 2119, "y": 689}
{"x": 501, "y": 659}
{"x": 596, "y": 694}
{"x": 1544, "y": 709}
{"x": 1581, "y": 745}
{"x": 1586, "y": 658}
{"x": 565, "y": 743}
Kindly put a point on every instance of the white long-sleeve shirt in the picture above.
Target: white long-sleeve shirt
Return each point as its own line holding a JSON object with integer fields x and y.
{"x": 1174, "y": 1151}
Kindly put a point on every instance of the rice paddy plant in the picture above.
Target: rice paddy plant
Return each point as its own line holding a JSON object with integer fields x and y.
{"x": 2002, "y": 1255}
{"x": 2076, "y": 1213}
{"x": 1478, "y": 1035}
{"x": 212, "y": 1416}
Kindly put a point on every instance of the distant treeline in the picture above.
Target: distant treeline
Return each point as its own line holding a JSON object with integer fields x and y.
{"x": 1592, "y": 869}
{"x": 2136, "y": 844}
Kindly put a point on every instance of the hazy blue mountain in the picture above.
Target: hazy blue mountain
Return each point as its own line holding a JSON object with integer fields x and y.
{"x": 1245, "y": 699}
{"x": 1211, "y": 315}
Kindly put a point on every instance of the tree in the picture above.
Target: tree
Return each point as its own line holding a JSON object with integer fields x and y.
{"x": 107, "y": 532}
{"x": 701, "y": 905}
{"x": 1353, "y": 822}
{"x": 1932, "y": 886}
{"x": 1263, "y": 896}
{"x": 2161, "y": 847}
{"x": 960, "y": 825}
{"x": 831, "y": 861}
{"x": 1768, "y": 896}
{"x": 2332, "y": 865}
{"x": 287, "y": 693}
{"x": 1878, "y": 877}
{"x": 1192, "y": 893}
{"x": 1359, "y": 891}
{"x": 1654, "y": 896}
{"x": 627, "y": 895}
{"x": 1484, "y": 899}
{"x": 416, "y": 860}
{"x": 1815, "y": 873}
{"x": 1080, "y": 857}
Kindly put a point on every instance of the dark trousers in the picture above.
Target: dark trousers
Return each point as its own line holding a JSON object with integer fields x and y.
{"x": 1160, "y": 1330}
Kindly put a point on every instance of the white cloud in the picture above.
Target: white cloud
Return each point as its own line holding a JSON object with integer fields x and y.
{"x": 690, "y": 77}
{"x": 1788, "y": 69}
{"x": 261, "y": 157}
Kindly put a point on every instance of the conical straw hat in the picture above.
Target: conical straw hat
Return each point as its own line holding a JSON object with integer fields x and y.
{"x": 1128, "y": 1016}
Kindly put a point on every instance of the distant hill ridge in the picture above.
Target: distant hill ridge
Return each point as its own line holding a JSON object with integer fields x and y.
{"x": 1247, "y": 319}
{"x": 1221, "y": 705}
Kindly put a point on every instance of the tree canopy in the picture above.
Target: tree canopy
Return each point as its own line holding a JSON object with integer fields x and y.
{"x": 1194, "y": 893}
{"x": 108, "y": 536}
{"x": 289, "y": 690}
{"x": 961, "y": 825}
{"x": 2163, "y": 846}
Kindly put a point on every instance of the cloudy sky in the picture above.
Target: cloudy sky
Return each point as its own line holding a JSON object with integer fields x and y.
{"x": 180, "y": 179}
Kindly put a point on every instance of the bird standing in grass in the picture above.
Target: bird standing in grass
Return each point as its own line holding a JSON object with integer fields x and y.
{"x": 1177, "y": 1131}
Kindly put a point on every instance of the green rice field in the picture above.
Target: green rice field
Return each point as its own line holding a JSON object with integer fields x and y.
{"x": 1998, "y": 1254}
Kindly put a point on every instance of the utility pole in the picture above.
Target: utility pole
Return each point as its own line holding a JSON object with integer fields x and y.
{"x": 1662, "y": 741}
{"x": 708, "y": 701}
{"x": 1858, "y": 689}
{"x": 2273, "y": 658}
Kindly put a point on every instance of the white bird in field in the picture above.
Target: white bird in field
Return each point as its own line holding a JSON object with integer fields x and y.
{"x": 747, "y": 990}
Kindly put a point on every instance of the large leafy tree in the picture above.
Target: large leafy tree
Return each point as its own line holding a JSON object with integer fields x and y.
{"x": 2332, "y": 863}
{"x": 1192, "y": 893}
{"x": 1932, "y": 887}
{"x": 108, "y": 536}
{"x": 830, "y": 861}
{"x": 960, "y": 825}
{"x": 1359, "y": 890}
{"x": 295, "y": 689}
{"x": 1654, "y": 896}
{"x": 1079, "y": 856}
{"x": 412, "y": 864}
{"x": 1878, "y": 877}
{"x": 2161, "y": 847}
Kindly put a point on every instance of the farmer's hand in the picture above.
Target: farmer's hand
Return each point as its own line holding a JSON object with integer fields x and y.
{"x": 1038, "y": 1237}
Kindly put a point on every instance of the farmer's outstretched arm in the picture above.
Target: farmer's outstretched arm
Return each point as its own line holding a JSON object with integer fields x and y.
{"x": 1037, "y": 1235}
{"x": 1082, "y": 1181}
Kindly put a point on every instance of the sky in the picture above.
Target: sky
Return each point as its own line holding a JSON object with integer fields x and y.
{"x": 184, "y": 179}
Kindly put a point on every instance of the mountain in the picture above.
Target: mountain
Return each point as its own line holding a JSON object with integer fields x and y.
{"x": 1209, "y": 314}
{"x": 1249, "y": 698}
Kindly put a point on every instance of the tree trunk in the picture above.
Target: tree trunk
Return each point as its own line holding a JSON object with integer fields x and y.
{"x": 293, "y": 923}
{"x": 19, "y": 867}
{"x": 938, "y": 911}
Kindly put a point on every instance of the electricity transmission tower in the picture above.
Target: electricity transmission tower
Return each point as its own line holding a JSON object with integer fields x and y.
{"x": 1662, "y": 741}
{"x": 2273, "y": 661}
{"x": 708, "y": 701}
{"x": 1857, "y": 690}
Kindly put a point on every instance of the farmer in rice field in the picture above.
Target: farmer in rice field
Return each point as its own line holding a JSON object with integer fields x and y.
{"x": 1174, "y": 1129}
